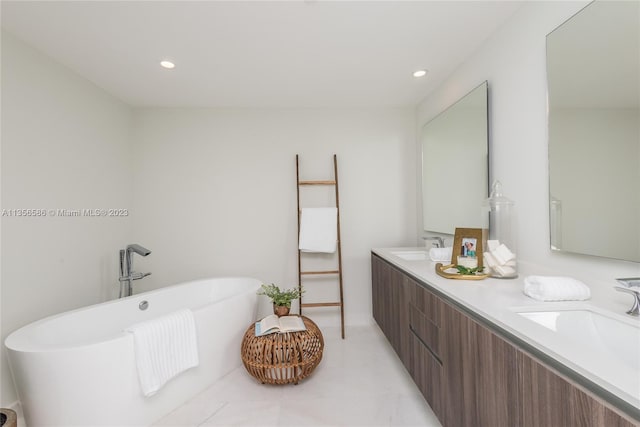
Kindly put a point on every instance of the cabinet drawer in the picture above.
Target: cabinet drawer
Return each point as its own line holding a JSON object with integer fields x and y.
{"x": 426, "y": 302}
{"x": 427, "y": 373}
{"x": 424, "y": 329}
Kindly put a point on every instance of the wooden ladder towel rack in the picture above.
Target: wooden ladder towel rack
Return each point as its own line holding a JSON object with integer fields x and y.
{"x": 337, "y": 272}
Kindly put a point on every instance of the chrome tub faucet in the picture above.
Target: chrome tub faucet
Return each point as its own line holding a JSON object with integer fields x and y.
{"x": 632, "y": 287}
{"x": 127, "y": 275}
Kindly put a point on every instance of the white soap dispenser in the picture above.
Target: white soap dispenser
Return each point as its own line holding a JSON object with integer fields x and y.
{"x": 499, "y": 258}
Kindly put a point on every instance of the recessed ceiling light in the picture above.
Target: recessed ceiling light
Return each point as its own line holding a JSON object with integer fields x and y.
{"x": 167, "y": 64}
{"x": 420, "y": 73}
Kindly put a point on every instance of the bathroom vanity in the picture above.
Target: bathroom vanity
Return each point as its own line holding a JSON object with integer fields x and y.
{"x": 479, "y": 359}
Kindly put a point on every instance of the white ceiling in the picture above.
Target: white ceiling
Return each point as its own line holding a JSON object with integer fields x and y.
{"x": 260, "y": 53}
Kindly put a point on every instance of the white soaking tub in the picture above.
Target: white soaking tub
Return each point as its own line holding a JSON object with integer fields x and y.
{"x": 78, "y": 368}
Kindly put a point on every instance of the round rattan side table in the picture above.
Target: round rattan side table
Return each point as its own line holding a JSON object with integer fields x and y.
{"x": 282, "y": 358}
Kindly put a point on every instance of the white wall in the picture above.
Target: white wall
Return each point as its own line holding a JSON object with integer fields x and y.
{"x": 65, "y": 145}
{"x": 513, "y": 62}
{"x": 210, "y": 192}
{"x": 215, "y": 192}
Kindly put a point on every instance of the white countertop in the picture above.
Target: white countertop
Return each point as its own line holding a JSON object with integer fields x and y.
{"x": 498, "y": 302}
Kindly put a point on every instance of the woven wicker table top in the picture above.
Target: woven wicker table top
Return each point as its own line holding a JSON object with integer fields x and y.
{"x": 282, "y": 358}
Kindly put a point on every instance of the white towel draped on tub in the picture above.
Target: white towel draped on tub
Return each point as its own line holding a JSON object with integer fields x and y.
{"x": 165, "y": 347}
{"x": 548, "y": 288}
{"x": 318, "y": 230}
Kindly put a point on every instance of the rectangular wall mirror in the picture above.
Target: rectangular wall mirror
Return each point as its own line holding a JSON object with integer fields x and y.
{"x": 593, "y": 67}
{"x": 455, "y": 164}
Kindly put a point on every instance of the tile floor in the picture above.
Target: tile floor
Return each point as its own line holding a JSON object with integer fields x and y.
{"x": 360, "y": 382}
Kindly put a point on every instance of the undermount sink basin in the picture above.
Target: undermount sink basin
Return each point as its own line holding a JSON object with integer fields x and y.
{"x": 619, "y": 339}
{"x": 411, "y": 255}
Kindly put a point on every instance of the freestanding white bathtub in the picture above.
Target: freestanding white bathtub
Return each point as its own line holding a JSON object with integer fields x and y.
{"x": 78, "y": 368}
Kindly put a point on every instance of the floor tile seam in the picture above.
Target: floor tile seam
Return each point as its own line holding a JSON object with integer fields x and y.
{"x": 220, "y": 408}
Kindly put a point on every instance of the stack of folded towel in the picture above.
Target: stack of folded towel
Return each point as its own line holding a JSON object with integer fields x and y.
{"x": 548, "y": 288}
{"x": 440, "y": 254}
{"x": 499, "y": 259}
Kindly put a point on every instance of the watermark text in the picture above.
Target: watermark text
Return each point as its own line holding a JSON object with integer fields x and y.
{"x": 63, "y": 212}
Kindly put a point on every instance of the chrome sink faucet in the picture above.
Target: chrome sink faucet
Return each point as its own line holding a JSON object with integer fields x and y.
{"x": 632, "y": 286}
{"x": 439, "y": 241}
{"x": 127, "y": 275}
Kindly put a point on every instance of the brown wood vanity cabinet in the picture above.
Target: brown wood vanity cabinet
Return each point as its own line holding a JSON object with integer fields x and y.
{"x": 469, "y": 374}
{"x": 550, "y": 399}
{"x": 480, "y": 379}
{"x": 389, "y": 300}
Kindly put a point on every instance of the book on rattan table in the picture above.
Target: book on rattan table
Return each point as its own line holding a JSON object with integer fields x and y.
{"x": 274, "y": 324}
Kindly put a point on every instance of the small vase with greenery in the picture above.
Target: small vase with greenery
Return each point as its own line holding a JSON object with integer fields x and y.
{"x": 281, "y": 298}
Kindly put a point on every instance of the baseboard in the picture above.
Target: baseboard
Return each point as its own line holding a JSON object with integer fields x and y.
{"x": 328, "y": 319}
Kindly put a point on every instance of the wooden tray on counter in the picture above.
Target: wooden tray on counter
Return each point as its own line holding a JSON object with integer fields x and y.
{"x": 441, "y": 271}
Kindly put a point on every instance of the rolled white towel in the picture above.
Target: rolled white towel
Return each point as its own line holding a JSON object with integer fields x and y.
{"x": 550, "y": 288}
{"x": 504, "y": 271}
{"x": 489, "y": 260}
{"x": 492, "y": 245}
{"x": 502, "y": 254}
{"x": 440, "y": 254}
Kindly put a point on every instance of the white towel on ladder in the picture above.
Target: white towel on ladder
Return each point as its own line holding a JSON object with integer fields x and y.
{"x": 318, "y": 230}
{"x": 164, "y": 347}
